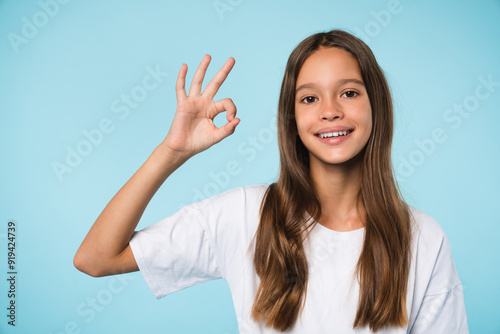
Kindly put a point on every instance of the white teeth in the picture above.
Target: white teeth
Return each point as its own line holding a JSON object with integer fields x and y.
{"x": 334, "y": 134}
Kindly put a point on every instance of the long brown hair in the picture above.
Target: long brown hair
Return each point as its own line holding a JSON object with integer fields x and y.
{"x": 280, "y": 259}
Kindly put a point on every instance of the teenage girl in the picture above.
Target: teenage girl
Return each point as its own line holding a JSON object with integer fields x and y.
{"x": 331, "y": 247}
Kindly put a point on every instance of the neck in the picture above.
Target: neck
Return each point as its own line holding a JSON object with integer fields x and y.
{"x": 337, "y": 187}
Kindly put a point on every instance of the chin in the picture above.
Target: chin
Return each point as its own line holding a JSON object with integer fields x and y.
{"x": 339, "y": 159}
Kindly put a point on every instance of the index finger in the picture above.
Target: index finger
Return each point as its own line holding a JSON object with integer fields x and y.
{"x": 180, "y": 88}
{"x": 214, "y": 84}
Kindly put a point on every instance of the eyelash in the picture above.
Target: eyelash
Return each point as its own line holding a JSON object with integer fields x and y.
{"x": 349, "y": 91}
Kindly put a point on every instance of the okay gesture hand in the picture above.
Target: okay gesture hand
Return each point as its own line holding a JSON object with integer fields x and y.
{"x": 193, "y": 130}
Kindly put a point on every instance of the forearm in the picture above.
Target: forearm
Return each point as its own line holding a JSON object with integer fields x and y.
{"x": 114, "y": 227}
{"x": 105, "y": 250}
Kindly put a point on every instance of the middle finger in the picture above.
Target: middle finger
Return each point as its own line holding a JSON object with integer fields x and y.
{"x": 199, "y": 75}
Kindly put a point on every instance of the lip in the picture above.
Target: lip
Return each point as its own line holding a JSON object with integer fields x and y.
{"x": 333, "y": 129}
{"x": 334, "y": 140}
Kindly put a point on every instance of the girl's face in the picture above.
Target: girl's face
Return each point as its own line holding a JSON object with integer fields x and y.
{"x": 332, "y": 109}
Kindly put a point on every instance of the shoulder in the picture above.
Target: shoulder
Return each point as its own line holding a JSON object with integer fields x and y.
{"x": 435, "y": 293}
{"x": 235, "y": 198}
{"x": 426, "y": 230}
{"x": 429, "y": 241}
{"x": 235, "y": 209}
{"x": 230, "y": 220}
{"x": 424, "y": 223}
{"x": 251, "y": 191}
{"x": 256, "y": 190}
{"x": 432, "y": 253}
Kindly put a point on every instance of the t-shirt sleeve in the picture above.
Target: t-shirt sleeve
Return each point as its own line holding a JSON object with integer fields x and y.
{"x": 175, "y": 253}
{"x": 442, "y": 309}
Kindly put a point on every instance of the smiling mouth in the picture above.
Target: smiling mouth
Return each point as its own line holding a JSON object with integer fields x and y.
{"x": 334, "y": 134}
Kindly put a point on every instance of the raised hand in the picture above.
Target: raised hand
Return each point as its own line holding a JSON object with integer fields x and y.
{"x": 193, "y": 129}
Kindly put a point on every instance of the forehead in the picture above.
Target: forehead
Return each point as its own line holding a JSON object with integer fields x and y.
{"x": 329, "y": 64}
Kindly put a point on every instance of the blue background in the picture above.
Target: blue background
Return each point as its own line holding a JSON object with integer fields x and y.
{"x": 67, "y": 75}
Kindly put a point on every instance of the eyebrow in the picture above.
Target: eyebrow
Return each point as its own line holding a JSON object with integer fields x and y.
{"x": 339, "y": 83}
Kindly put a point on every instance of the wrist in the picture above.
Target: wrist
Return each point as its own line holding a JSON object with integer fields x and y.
{"x": 172, "y": 156}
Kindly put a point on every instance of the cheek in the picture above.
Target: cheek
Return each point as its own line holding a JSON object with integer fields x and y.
{"x": 367, "y": 119}
{"x": 369, "y": 123}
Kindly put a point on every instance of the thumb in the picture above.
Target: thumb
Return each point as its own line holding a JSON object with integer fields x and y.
{"x": 226, "y": 130}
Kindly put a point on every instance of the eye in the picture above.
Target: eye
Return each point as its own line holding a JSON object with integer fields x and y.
{"x": 350, "y": 94}
{"x": 308, "y": 99}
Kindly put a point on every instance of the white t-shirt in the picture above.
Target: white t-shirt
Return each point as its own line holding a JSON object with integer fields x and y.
{"x": 209, "y": 240}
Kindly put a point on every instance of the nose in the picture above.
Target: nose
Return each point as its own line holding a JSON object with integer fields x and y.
{"x": 330, "y": 109}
